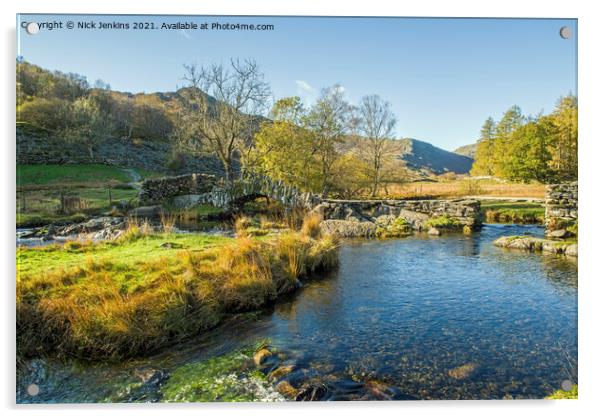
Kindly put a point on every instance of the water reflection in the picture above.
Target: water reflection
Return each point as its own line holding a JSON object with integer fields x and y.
{"x": 449, "y": 317}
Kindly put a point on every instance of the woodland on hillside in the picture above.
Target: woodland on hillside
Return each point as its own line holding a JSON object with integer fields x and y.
{"x": 330, "y": 147}
{"x": 523, "y": 148}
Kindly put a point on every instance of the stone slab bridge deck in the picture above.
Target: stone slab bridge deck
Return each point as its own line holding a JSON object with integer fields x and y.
{"x": 193, "y": 189}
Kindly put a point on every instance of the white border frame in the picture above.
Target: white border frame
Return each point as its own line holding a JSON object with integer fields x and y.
{"x": 589, "y": 154}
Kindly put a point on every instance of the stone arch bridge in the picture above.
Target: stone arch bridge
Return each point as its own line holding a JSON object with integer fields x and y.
{"x": 193, "y": 189}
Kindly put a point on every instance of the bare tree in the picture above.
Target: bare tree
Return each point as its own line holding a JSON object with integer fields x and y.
{"x": 223, "y": 107}
{"x": 377, "y": 124}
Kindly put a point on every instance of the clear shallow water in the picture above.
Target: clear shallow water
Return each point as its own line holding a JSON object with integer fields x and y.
{"x": 403, "y": 312}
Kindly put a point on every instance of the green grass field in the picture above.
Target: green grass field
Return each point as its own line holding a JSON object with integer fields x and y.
{"x": 519, "y": 212}
{"x": 45, "y": 174}
{"x": 37, "y": 260}
{"x": 39, "y": 189}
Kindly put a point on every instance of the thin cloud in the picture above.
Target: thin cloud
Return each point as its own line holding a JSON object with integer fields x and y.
{"x": 306, "y": 91}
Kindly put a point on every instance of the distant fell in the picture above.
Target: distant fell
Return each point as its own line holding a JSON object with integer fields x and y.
{"x": 467, "y": 150}
{"x": 425, "y": 157}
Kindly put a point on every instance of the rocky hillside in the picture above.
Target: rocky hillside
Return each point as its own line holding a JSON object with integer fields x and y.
{"x": 36, "y": 146}
{"x": 427, "y": 158}
{"x": 467, "y": 150}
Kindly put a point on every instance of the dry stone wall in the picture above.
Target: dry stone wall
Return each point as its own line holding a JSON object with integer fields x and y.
{"x": 561, "y": 205}
{"x": 166, "y": 188}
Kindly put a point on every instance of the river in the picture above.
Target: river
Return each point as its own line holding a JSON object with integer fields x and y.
{"x": 407, "y": 312}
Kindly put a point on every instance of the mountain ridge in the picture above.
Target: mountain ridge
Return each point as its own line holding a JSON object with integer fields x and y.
{"x": 425, "y": 157}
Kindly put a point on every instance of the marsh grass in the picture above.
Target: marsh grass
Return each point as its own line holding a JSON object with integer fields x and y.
{"x": 311, "y": 225}
{"x": 446, "y": 189}
{"x": 113, "y": 304}
{"x": 168, "y": 222}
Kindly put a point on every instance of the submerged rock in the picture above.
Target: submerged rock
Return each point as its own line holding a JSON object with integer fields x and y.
{"x": 463, "y": 372}
{"x": 286, "y": 389}
{"x": 152, "y": 377}
{"x": 380, "y": 390}
{"x": 280, "y": 372}
{"x": 312, "y": 392}
{"x": 260, "y": 356}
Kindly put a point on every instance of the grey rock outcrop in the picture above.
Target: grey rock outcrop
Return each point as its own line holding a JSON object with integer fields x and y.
{"x": 348, "y": 228}
{"x": 363, "y": 217}
{"x": 533, "y": 244}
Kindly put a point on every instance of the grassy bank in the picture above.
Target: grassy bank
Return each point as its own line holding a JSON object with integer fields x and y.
{"x": 143, "y": 292}
{"x": 513, "y": 212}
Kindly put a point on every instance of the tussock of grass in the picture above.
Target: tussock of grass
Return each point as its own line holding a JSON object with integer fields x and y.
{"x": 573, "y": 229}
{"x": 168, "y": 222}
{"x": 241, "y": 224}
{"x": 126, "y": 306}
{"x": 73, "y": 245}
{"x": 398, "y": 228}
{"x": 443, "y": 222}
{"x": 311, "y": 225}
{"x": 136, "y": 230}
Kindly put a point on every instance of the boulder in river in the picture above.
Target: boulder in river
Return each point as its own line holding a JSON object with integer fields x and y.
{"x": 571, "y": 250}
{"x": 559, "y": 233}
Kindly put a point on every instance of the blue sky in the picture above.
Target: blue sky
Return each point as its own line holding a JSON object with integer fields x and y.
{"x": 443, "y": 77}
